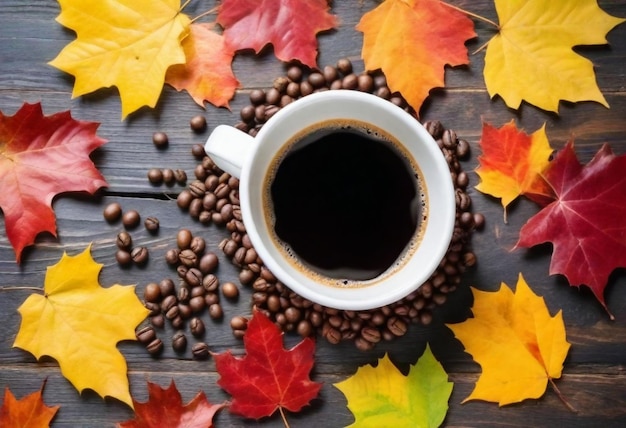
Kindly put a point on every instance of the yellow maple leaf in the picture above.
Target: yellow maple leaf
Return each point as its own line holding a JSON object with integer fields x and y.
{"x": 125, "y": 43}
{"x": 78, "y": 323}
{"x": 531, "y": 58}
{"x": 518, "y": 345}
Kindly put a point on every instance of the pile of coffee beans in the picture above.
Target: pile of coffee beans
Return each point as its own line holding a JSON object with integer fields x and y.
{"x": 213, "y": 198}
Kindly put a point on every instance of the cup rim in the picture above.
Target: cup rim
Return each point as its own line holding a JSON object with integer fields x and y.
{"x": 437, "y": 233}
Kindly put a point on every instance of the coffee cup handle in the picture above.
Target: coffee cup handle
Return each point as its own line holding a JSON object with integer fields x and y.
{"x": 228, "y": 147}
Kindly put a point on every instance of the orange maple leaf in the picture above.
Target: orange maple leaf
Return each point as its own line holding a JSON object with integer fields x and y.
{"x": 207, "y": 75}
{"x": 411, "y": 41}
{"x": 512, "y": 163}
{"x": 29, "y": 411}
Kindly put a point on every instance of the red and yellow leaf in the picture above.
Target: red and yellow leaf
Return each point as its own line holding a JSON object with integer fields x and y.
{"x": 512, "y": 163}
{"x": 40, "y": 157}
{"x": 207, "y": 75}
{"x": 586, "y": 224}
{"x": 290, "y": 26}
{"x": 165, "y": 408}
{"x": 268, "y": 377}
{"x": 412, "y": 41}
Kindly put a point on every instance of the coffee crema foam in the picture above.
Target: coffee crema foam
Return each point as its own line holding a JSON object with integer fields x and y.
{"x": 298, "y": 142}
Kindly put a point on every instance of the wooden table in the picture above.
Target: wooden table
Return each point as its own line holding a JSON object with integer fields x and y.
{"x": 594, "y": 379}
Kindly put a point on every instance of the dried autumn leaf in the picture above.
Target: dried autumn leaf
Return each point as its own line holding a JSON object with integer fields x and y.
{"x": 383, "y": 396}
{"x": 40, "y": 157}
{"x": 124, "y": 43}
{"x": 207, "y": 75}
{"x": 28, "y": 412}
{"x": 518, "y": 345}
{"x": 268, "y": 377}
{"x": 165, "y": 408}
{"x": 289, "y": 25}
{"x": 78, "y": 323}
{"x": 586, "y": 224}
{"x": 412, "y": 41}
{"x": 531, "y": 58}
{"x": 512, "y": 163}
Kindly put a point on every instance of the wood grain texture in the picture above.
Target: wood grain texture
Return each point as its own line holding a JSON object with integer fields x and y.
{"x": 594, "y": 379}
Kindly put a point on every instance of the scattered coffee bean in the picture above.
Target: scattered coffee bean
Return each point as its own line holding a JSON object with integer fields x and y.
{"x": 197, "y": 245}
{"x": 183, "y": 238}
{"x": 151, "y": 224}
{"x": 167, "y": 287}
{"x": 200, "y": 351}
{"x": 180, "y": 176}
{"x": 171, "y": 256}
{"x": 152, "y": 292}
{"x": 130, "y": 219}
{"x": 198, "y": 123}
{"x": 112, "y": 212}
{"x": 160, "y": 140}
{"x": 215, "y": 311}
{"x": 155, "y": 347}
{"x": 230, "y": 290}
{"x": 168, "y": 176}
{"x": 184, "y": 198}
{"x": 196, "y": 326}
{"x": 158, "y": 321}
{"x": 123, "y": 257}
{"x": 208, "y": 263}
{"x": 124, "y": 241}
{"x": 139, "y": 255}
{"x": 179, "y": 341}
{"x": 145, "y": 334}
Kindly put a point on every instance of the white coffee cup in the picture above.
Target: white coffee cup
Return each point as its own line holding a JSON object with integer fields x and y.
{"x": 251, "y": 159}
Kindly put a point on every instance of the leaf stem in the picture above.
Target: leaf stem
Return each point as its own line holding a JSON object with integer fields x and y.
{"x": 561, "y": 397}
{"x": 21, "y": 287}
{"x": 184, "y": 5}
{"x": 282, "y": 415}
{"x": 483, "y": 46}
{"x": 208, "y": 12}
{"x": 473, "y": 15}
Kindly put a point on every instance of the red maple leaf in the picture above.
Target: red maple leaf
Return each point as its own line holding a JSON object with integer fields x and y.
{"x": 40, "y": 157}
{"x": 268, "y": 377}
{"x": 289, "y": 25}
{"x": 165, "y": 408}
{"x": 29, "y": 411}
{"x": 587, "y": 222}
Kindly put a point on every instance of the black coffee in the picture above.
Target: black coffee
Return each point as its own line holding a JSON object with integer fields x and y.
{"x": 346, "y": 201}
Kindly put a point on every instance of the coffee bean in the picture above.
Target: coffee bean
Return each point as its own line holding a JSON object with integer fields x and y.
{"x": 184, "y": 198}
{"x": 153, "y": 307}
{"x": 197, "y": 150}
{"x": 396, "y": 326}
{"x": 208, "y": 263}
{"x": 198, "y": 123}
{"x": 155, "y": 347}
{"x": 197, "y": 245}
{"x": 139, "y": 255}
{"x": 330, "y": 74}
{"x": 239, "y": 323}
{"x": 179, "y": 341}
{"x": 183, "y": 294}
{"x": 172, "y": 312}
{"x": 257, "y": 96}
{"x": 171, "y": 256}
{"x": 365, "y": 83}
{"x": 123, "y": 257}
{"x": 152, "y": 292}
{"x": 195, "y": 209}
{"x": 246, "y": 276}
{"x": 160, "y": 139}
{"x": 200, "y": 351}
{"x": 112, "y": 212}
{"x": 350, "y": 81}
{"x": 130, "y": 219}
{"x": 210, "y": 282}
{"x": 183, "y": 238}
{"x": 193, "y": 277}
{"x": 230, "y": 290}
{"x": 306, "y": 88}
{"x": 158, "y": 321}
{"x": 124, "y": 241}
{"x": 211, "y": 298}
{"x": 197, "y": 304}
{"x": 168, "y": 176}
{"x": 184, "y": 311}
{"x": 167, "y": 287}
{"x": 462, "y": 149}
{"x": 145, "y": 334}
{"x": 304, "y": 328}
{"x": 434, "y": 128}
{"x": 188, "y": 258}
{"x": 449, "y": 139}
{"x": 479, "y": 221}
{"x": 344, "y": 66}
{"x": 168, "y": 302}
{"x": 151, "y": 224}
{"x": 180, "y": 176}
{"x": 294, "y": 73}
{"x": 196, "y": 326}
{"x": 333, "y": 335}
